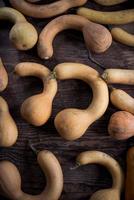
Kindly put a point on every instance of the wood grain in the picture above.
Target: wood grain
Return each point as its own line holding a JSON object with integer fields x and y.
{"x": 68, "y": 47}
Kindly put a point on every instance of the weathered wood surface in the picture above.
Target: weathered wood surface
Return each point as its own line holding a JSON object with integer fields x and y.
{"x": 69, "y": 47}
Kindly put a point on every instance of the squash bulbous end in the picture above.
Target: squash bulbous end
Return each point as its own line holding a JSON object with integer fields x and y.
{"x": 23, "y": 36}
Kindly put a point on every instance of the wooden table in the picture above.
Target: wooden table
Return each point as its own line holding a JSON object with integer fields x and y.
{"x": 68, "y": 47}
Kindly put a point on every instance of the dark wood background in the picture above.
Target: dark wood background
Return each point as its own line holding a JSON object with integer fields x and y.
{"x": 68, "y": 47}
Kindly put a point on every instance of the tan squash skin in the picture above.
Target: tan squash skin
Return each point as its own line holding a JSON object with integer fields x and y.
{"x": 8, "y": 128}
{"x": 109, "y": 2}
{"x": 37, "y": 109}
{"x": 121, "y": 125}
{"x": 33, "y": 1}
{"x": 97, "y": 38}
{"x": 97, "y": 157}
{"x": 47, "y": 10}
{"x": 123, "y": 36}
{"x": 129, "y": 193}
{"x": 120, "y": 99}
{"x": 3, "y": 77}
{"x": 119, "y": 76}
{"x": 72, "y": 123}
{"x": 10, "y": 180}
{"x": 23, "y": 35}
{"x": 114, "y": 17}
